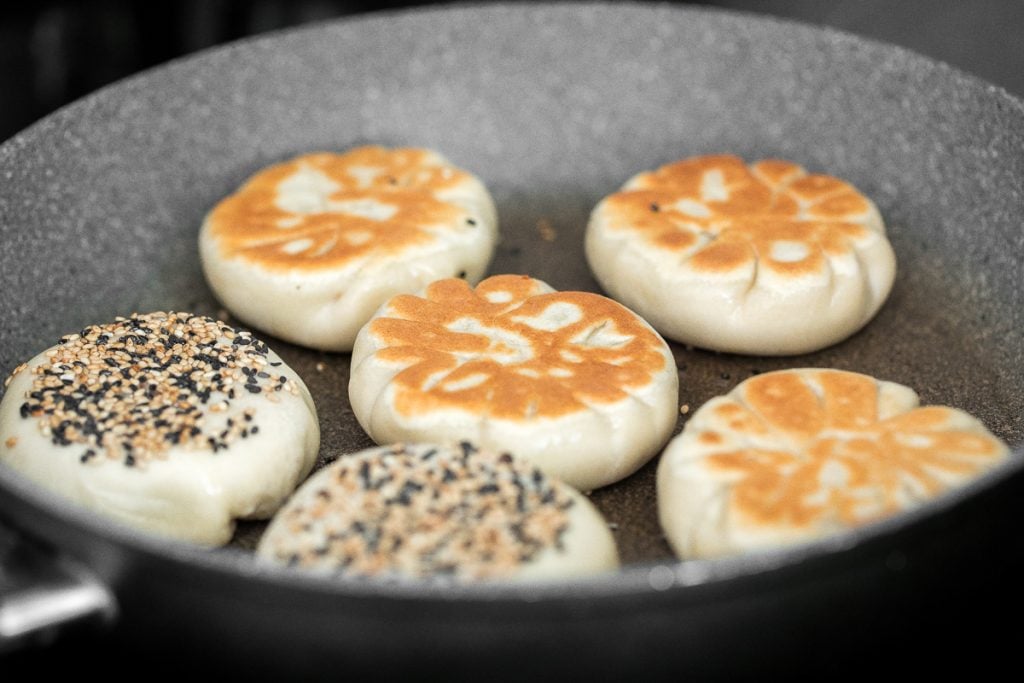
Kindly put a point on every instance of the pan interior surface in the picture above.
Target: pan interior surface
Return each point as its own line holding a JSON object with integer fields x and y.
{"x": 553, "y": 107}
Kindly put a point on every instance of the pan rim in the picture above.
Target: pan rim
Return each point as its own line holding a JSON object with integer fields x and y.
{"x": 455, "y": 6}
{"x": 658, "y": 577}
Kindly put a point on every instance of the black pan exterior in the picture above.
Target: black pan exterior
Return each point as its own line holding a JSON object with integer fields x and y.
{"x": 554, "y": 107}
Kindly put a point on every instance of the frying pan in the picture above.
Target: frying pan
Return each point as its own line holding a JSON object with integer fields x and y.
{"x": 553, "y": 106}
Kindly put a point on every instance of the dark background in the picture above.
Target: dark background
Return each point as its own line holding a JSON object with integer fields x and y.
{"x": 52, "y": 53}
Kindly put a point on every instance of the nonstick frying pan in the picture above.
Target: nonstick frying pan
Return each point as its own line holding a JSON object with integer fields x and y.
{"x": 553, "y": 106}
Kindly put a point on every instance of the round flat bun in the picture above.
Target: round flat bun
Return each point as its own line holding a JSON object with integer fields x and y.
{"x": 169, "y": 422}
{"x": 308, "y": 249}
{"x": 764, "y": 259}
{"x": 792, "y": 456}
{"x": 439, "y": 511}
{"x": 572, "y": 381}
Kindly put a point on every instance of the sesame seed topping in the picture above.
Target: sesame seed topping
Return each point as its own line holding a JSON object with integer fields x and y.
{"x": 425, "y": 511}
{"x": 134, "y": 388}
{"x": 7, "y": 380}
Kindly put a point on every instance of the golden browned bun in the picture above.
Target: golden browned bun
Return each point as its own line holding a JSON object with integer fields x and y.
{"x": 307, "y": 249}
{"x": 791, "y": 456}
{"x": 572, "y": 381}
{"x": 763, "y": 259}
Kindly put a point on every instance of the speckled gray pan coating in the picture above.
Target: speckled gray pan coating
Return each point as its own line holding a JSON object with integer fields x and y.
{"x": 553, "y": 107}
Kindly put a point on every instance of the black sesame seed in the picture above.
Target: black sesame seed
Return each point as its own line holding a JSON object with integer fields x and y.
{"x": 365, "y": 475}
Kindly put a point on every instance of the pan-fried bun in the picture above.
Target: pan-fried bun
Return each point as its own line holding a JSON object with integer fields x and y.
{"x": 792, "y": 456}
{"x": 306, "y": 250}
{"x": 430, "y": 511}
{"x": 173, "y": 423}
{"x": 764, "y": 259}
{"x": 572, "y": 381}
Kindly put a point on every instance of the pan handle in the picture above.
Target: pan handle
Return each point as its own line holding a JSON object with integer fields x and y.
{"x": 42, "y": 591}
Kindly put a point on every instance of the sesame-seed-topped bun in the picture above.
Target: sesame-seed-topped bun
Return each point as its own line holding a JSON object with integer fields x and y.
{"x": 762, "y": 259}
{"x": 439, "y": 511}
{"x": 169, "y": 422}
{"x": 572, "y": 381}
{"x": 307, "y": 249}
{"x": 792, "y": 456}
